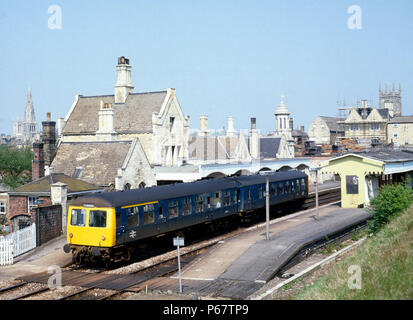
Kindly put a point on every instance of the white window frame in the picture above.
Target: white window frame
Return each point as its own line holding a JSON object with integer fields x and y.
{"x": 3, "y": 208}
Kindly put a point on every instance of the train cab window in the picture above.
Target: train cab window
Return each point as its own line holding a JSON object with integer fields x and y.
{"x": 97, "y": 218}
{"x": 78, "y": 217}
{"x": 227, "y": 198}
{"x": 186, "y": 206}
{"x": 148, "y": 214}
{"x": 173, "y": 209}
{"x": 132, "y": 216}
{"x": 199, "y": 203}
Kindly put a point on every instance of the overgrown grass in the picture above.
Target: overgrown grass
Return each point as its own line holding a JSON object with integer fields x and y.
{"x": 385, "y": 261}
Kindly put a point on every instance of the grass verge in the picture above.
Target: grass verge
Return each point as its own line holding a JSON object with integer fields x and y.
{"x": 385, "y": 262}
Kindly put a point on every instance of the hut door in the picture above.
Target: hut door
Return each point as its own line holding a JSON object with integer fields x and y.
{"x": 371, "y": 189}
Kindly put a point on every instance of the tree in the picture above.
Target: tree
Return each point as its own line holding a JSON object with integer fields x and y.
{"x": 15, "y": 165}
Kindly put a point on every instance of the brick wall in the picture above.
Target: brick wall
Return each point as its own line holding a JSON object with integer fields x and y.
{"x": 17, "y": 205}
{"x": 48, "y": 221}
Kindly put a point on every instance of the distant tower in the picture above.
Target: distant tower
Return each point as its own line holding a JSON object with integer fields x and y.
{"x": 26, "y": 130}
{"x": 391, "y": 100}
{"x": 123, "y": 84}
{"x": 282, "y": 120}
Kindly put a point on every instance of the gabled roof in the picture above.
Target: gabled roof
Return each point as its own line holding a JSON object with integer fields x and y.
{"x": 134, "y": 116}
{"x": 42, "y": 186}
{"x": 99, "y": 160}
{"x": 332, "y": 124}
{"x": 269, "y": 147}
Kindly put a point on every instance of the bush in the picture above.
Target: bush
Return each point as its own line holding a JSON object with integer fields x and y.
{"x": 391, "y": 200}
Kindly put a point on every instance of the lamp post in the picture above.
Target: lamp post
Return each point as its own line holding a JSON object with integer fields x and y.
{"x": 267, "y": 207}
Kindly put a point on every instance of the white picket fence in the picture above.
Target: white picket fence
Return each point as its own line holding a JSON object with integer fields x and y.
{"x": 6, "y": 251}
{"x": 20, "y": 241}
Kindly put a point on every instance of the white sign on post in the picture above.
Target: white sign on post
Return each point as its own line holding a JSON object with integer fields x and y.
{"x": 179, "y": 242}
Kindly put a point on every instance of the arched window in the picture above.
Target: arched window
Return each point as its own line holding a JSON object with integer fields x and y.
{"x": 142, "y": 185}
{"x": 126, "y": 186}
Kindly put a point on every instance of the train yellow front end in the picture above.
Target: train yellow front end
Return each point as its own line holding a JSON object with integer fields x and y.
{"x": 90, "y": 231}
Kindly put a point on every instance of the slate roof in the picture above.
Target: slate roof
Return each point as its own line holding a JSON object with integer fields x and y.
{"x": 402, "y": 119}
{"x": 212, "y": 147}
{"x": 269, "y": 147}
{"x": 388, "y": 156}
{"x": 99, "y": 160}
{"x": 134, "y": 116}
{"x": 332, "y": 123}
{"x": 42, "y": 185}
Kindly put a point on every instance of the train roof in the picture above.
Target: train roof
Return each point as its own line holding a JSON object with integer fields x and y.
{"x": 273, "y": 177}
{"x": 171, "y": 191}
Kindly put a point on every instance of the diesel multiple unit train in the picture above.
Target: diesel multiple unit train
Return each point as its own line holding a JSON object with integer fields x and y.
{"x": 107, "y": 226}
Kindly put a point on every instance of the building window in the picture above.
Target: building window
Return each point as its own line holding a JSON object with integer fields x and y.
{"x": 354, "y": 127}
{"x": 171, "y": 123}
{"x": 395, "y": 135}
{"x": 2, "y": 208}
{"x": 374, "y": 126}
{"x": 32, "y": 202}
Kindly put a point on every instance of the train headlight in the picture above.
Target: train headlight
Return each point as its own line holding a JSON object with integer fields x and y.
{"x": 71, "y": 235}
{"x": 103, "y": 238}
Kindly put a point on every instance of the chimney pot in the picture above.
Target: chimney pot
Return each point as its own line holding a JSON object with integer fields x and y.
{"x": 253, "y": 123}
{"x": 48, "y": 116}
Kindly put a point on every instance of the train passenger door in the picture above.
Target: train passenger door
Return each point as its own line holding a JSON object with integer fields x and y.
{"x": 120, "y": 225}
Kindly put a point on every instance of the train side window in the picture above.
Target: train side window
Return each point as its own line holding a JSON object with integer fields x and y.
{"x": 78, "y": 217}
{"x": 148, "y": 214}
{"x": 160, "y": 212}
{"x": 186, "y": 206}
{"x": 97, "y": 218}
{"x": 132, "y": 217}
{"x": 280, "y": 188}
{"x": 227, "y": 198}
{"x": 303, "y": 182}
{"x": 297, "y": 183}
{"x": 248, "y": 194}
{"x": 217, "y": 200}
{"x": 260, "y": 193}
{"x": 199, "y": 203}
{"x": 173, "y": 209}
{"x": 287, "y": 187}
{"x": 292, "y": 186}
{"x": 273, "y": 189}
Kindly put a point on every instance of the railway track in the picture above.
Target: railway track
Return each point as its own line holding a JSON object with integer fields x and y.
{"x": 112, "y": 284}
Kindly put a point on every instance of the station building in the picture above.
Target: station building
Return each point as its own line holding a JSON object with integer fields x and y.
{"x": 363, "y": 173}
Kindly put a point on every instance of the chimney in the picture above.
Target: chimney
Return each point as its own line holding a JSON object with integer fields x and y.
{"x": 106, "y": 113}
{"x": 302, "y": 128}
{"x": 38, "y": 161}
{"x": 291, "y": 124}
{"x": 203, "y": 126}
{"x": 49, "y": 139}
{"x": 60, "y": 125}
{"x": 123, "y": 84}
{"x": 254, "y": 140}
{"x": 231, "y": 131}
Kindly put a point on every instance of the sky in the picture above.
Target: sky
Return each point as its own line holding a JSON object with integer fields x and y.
{"x": 224, "y": 58}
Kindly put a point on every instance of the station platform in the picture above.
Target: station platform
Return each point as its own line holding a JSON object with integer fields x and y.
{"x": 241, "y": 265}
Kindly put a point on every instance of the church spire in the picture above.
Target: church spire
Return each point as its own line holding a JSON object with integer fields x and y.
{"x": 29, "y": 116}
